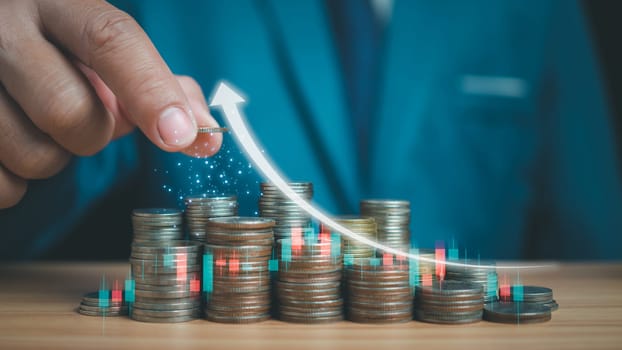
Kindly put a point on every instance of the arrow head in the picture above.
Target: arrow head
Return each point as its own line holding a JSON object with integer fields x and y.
{"x": 225, "y": 96}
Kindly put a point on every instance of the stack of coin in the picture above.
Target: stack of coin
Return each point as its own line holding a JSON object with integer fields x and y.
{"x": 201, "y": 208}
{"x": 426, "y": 273}
{"x": 486, "y": 275}
{"x": 167, "y": 281}
{"x": 308, "y": 287}
{"x": 364, "y": 226}
{"x": 532, "y": 295}
{"x": 288, "y": 216}
{"x": 236, "y": 269}
{"x": 378, "y": 290}
{"x": 240, "y": 231}
{"x": 392, "y": 218}
{"x": 237, "y": 283}
{"x": 449, "y": 302}
{"x": 93, "y": 305}
{"x": 157, "y": 224}
{"x": 516, "y": 313}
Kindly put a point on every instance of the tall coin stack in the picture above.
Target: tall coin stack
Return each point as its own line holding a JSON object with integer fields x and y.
{"x": 236, "y": 274}
{"x": 201, "y": 208}
{"x": 364, "y": 226}
{"x": 449, "y": 302}
{"x": 157, "y": 224}
{"x": 378, "y": 290}
{"x": 167, "y": 281}
{"x": 308, "y": 287}
{"x": 392, "y": 218}
{"x": 486, "y": 276}
{"x": 288, "y": 216}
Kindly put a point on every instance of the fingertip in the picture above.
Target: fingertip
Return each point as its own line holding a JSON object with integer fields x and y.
{"x": 205, "y": 145}
{"x": 12, "y": 189}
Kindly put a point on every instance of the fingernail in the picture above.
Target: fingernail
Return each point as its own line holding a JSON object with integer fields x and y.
{"x": 176, "y": 128}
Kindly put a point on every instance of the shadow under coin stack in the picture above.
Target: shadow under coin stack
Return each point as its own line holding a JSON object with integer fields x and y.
{"x": 308, "y": 288}
{"x": 517, "y": 312}
{"x": 236, "y": 273}
{"x": 364, "y": 226}
{"x": 378, "y": 290}
{"x": 167, "y": 281}
{"x": 392, "y": 220}
{"x": 96, "y": 304}
{"x": 157, "y": 224}
{"x": 449, "y": 302}
{"x": 486, "y": 276}
{"x": 200, "y": 208}
{"x": 275, "y": 205}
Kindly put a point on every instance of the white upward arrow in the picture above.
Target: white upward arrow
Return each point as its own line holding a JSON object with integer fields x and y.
{"x": 228, "y": 99}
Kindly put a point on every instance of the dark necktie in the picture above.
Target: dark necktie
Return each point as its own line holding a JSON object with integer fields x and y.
{"x": 358, "y": 35}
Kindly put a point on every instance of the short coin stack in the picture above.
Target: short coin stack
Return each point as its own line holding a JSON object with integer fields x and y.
{"x": 288, "y": 216}
{"x": 308, "y": 287}
{"x": 392, "y": 218}
{"x": 517, "y": 312}
{"x": 449, "y": 302}
{"x": 378, "y": 290}
{"x": 167, "y": 281}
{"x": 157, "y": 224}
{"x": 201, "y": 208}
{"x": 531, "y": 295}
{"x": 93, "y": 305}
{"x": 486, "y": 275}
{"x": 236, "y": 271}
{"x": 364, "y": 226}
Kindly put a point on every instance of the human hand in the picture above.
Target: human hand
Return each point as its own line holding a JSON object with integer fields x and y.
{"x": 76, "y": 74}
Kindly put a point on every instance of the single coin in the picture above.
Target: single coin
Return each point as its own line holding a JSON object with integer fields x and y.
{"x": 211, "y": 130}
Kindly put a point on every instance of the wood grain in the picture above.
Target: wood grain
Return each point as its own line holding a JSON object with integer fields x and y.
{"x": 38, "y": 302}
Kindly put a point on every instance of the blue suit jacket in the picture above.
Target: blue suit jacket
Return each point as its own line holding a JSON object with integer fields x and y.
{"x": 490, "y": 119}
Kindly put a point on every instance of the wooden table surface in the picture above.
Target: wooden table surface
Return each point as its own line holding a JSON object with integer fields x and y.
{"x": 38, "y": 303}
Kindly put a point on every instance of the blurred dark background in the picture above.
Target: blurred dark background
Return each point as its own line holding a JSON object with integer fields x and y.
{"x": 604, "y": 17}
